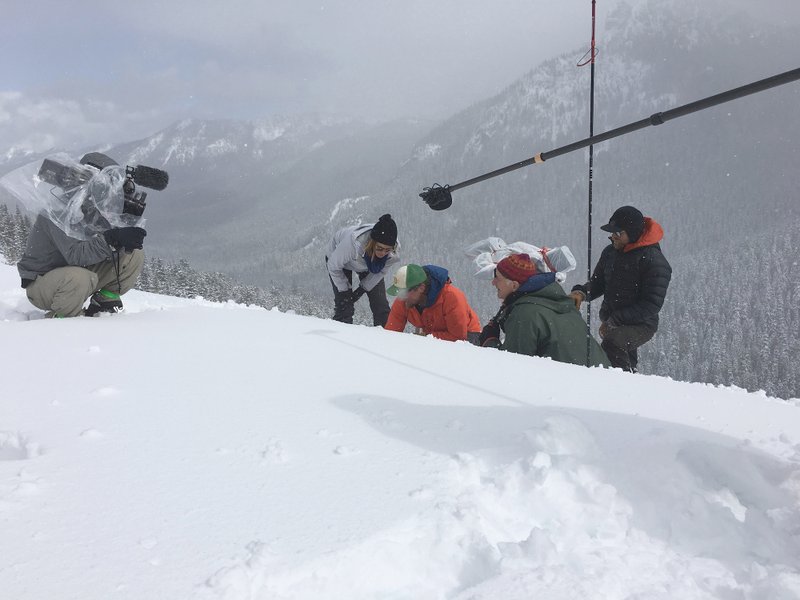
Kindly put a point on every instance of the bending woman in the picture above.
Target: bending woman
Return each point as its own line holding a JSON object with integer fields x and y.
{"x": 368, "y": 251}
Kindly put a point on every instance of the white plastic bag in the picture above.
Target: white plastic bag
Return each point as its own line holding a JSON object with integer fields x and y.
{"x": 487, "y": 253}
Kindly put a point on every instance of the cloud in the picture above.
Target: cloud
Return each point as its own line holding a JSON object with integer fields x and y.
{"x": 38, "y": 124}
{"x": 122, "y": 71}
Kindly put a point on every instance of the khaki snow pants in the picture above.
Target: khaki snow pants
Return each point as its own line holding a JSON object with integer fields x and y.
{"x": 64, "y": 290}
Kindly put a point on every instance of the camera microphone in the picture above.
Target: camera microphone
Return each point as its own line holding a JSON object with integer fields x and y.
{"x": 150, "y": 177}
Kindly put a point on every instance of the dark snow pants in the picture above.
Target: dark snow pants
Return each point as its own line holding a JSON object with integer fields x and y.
{"x": 344, "y": 307}
{"x": 621, "y": 343}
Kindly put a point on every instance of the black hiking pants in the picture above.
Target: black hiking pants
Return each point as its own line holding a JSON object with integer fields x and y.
{"x": 344, "y": 307}
{"x": 621, "y": 343}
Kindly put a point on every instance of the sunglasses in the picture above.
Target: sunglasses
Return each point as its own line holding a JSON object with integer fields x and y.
{"x": 403, "y": 292}
{"x": 381, "y": 248}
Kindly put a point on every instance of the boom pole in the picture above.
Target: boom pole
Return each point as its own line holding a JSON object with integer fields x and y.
{"x": 439, "y": 197}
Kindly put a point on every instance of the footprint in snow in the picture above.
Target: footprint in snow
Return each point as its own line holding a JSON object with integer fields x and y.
{"x": 456, "y": 425}
{"x": 327, "y": 433}
{"x": 274, "y": 453}
{"x": 92, "y": 434}
{"x": 28, "y": 487}
{"x": 16, "y": 446}
{"x": 345, "y": 450}
{"x": 105, "y": 392}
{"x": 22, "y": 484}
{"x": 422, "y": 493}
{"x": 148, "y": 543}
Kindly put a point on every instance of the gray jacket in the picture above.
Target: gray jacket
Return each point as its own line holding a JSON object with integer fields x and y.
{"x": 49, "y": 248}
{"x": 346, "y": 251}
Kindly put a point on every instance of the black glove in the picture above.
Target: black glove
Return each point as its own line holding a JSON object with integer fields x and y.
{"x": 349, "y": 297}
{"x": 130, "y": 238}
{"x": 490, "y": 335}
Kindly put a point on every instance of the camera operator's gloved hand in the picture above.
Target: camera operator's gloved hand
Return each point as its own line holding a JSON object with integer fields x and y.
{"x": 490, "y": 334}
{"x": 130, "y": 238}
{"x": 357, "y": 293}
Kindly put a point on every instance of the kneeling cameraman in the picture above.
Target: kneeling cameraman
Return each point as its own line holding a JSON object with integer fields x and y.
{"x": 59, "y": 272}
{"x": 87, "y": 240}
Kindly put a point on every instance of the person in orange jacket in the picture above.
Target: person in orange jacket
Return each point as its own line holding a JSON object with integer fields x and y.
{"x": 428, "y": 300}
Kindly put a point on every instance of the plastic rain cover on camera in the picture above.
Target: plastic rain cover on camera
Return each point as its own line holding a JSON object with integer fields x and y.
{"x": 93, "y": 204}
{"x": 487, "y": 253}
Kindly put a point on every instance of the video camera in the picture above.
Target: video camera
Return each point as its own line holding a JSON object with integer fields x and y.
{"x": 71, "y": 177}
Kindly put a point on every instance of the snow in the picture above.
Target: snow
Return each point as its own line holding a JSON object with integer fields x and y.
{"x": 188, "y": 449}
{"x": 268, "y": 132}
{"x": 345, "y": 204}
{"x": 151, "y": 144}
{"x": 427, "y": 151}
{"x": 220, "y": 147}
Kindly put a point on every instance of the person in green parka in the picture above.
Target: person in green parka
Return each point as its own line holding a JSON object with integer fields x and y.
{"x": 538, "y": 318}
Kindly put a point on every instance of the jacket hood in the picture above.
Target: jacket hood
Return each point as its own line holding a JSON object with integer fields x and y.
{"x": 439, "y": 276}
{"x": 551, "y": 296}
{"x": 536, "y": 282}
{"x": 534, "y": 285}
{"x": 652, "y": 234}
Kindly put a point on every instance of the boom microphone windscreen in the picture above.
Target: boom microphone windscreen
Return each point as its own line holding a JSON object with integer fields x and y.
{"x": 150, "y": 177}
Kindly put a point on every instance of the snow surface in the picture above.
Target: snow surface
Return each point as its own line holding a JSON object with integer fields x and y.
{"x": 186, "y": 449}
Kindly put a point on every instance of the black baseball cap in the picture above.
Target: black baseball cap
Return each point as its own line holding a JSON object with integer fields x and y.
{"x": 627, "y": 219}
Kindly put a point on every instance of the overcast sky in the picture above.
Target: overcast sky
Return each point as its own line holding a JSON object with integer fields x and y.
{"x": 77, "y": 72}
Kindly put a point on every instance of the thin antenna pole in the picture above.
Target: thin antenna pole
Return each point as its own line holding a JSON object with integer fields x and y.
{"x": 589, "y": 220}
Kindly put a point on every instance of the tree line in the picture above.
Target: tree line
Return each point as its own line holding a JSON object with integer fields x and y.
{"x": 737, "y": 318}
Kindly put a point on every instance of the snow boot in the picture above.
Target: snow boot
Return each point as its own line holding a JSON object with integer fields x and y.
{"x": 103, "y": 301}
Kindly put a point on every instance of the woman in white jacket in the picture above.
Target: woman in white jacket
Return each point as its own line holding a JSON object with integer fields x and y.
{"x": 368, "y": 251}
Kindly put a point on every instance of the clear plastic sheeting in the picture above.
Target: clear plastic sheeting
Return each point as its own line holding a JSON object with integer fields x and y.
{"x": 81, "y": 199}
{"x": 487, "y": 253}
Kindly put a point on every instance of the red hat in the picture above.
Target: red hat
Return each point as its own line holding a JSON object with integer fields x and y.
{"x": 517, "y": 267}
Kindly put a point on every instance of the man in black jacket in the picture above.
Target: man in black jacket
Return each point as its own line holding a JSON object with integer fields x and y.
{"x": 632, "y": 275}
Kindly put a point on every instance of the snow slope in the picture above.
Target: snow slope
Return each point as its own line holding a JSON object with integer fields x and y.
{"x": 185, "y": 449}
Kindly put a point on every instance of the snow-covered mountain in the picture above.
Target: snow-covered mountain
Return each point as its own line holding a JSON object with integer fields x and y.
{"x": 280, "y": 138}
{"x": 184, "y": 449}
{"x": 235, "y": 185}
